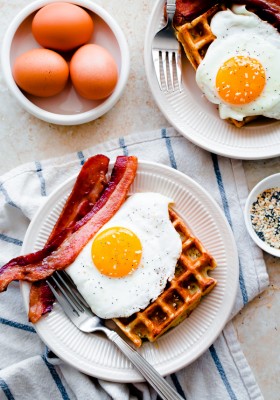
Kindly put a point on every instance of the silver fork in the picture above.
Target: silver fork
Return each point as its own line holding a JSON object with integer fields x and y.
{"x": 78, "y": 311}
{"x": 166, "y": 50}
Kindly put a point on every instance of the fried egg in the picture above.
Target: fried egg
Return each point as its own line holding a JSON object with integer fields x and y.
{"x": 240, "y": 71}
{"x": 127, "y": 264}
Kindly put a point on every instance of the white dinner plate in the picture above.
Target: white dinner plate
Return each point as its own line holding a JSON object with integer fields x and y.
{"x": 198, "y": 120}
{"x": 94, "y": 354}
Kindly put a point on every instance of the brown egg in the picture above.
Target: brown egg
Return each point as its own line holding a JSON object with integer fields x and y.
{"x": 41, "y": 72}
{"x": 62, "y": 26}
{"x": 94, "y": 72}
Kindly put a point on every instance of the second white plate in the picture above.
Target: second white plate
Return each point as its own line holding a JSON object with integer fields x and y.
{"x": 97, "y": 356}
{"x": 198, "y": 120}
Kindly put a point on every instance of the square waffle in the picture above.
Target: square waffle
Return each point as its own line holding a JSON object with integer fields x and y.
{"x": 181, "y": 295}
{"x": 195, "y": 37}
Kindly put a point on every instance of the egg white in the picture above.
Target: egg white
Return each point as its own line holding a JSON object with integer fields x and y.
{"x": 145, "y": 214}
{"x": 242, "y": 33}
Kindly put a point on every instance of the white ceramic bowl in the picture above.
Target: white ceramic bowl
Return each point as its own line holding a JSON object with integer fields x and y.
{"x": 66, "y": 108}
{"x": 272, "y": 181}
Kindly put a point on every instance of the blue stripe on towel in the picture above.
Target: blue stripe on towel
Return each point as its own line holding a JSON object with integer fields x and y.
{"x": 7, "y": 197}
{"x": 169, "y": 148}
{"x": 9, "y": 239}
{"x": 57, "y": 379}
{"x": 40, "y": 175}
{"x": 123, "y": 146}
{"x": 17, "y": 325}
{"x": 228, "y": 216}
{"x": 81, "y": 157}
{"x": 177, "y": 385}
{"x": 242, "y": 285}
{"x": 6, "y": 390}
{"x": 222, "y": 372}
{"x": 49, "y": 354}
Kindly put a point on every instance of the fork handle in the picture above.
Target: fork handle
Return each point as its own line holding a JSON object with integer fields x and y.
{"x": 161, "y": 386}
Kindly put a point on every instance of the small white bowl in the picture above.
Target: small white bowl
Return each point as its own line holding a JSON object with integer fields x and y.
{"x": 272, "y": 181}
{"x": 66, "y": 108}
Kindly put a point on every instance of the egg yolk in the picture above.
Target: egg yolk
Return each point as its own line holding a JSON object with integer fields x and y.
{"x": 116, "y": 252}
{"x": 240, "y": 80}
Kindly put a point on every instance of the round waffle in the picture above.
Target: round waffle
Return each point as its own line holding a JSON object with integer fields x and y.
{"x": 195, "y": 37}
{"x": 181, "y": 295}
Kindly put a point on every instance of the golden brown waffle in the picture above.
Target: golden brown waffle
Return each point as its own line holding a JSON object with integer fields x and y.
{"x": 195, "y": 37}
{"x": 180, "y": 297}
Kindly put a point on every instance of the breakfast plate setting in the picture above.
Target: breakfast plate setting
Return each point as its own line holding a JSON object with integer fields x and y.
{"x": 196, "y": 118}
{"x": 182, "y": 345}
{"x": 139, "y": 260}
{"x": 187, "y": 343}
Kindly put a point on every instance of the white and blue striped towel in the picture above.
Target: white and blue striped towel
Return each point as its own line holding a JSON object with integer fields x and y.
{"x": 30, "y": 371}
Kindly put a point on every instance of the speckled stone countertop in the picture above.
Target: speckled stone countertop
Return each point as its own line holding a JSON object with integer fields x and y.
{"x": 26, "y": 138}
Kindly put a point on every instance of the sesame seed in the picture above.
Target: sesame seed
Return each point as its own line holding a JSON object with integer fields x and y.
{"x": 265, "y": 217}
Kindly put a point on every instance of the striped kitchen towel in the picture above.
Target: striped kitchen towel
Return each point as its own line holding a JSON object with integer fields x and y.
{"x": 30, "y": 371}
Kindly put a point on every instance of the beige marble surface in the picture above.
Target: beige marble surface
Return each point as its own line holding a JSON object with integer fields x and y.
{"x": 25, "y": 138}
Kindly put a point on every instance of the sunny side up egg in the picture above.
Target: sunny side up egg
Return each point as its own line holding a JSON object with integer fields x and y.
{"x": 127, "y": 264}
{"x": 240, "y": 71}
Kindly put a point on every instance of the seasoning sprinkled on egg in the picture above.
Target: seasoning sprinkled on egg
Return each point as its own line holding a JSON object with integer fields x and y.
{"x": 132, "y": 257}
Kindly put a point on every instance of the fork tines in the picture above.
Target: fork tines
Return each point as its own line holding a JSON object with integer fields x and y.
{"x": 168, "y": 69}
{"x": 66, "y": 293}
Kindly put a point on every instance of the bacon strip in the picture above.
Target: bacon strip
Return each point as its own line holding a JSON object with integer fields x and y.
{"x": 41, "y": 300}
{"x": 267, "y": 10}
{"x": 112, "y": 198}
{"x": 187, "y": 10}
{"x": 87, "y": 189}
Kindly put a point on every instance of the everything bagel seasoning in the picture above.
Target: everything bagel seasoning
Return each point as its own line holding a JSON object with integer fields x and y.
{"x": 265, "y": 216}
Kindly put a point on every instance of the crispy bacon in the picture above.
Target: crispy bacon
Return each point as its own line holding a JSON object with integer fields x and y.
{"x": 87, "y": 189}
{"x": 40, "y": 301}
{"x": 187, "y": 10}
{"x": 110, "y": 201}
{"x": 267, "y": 10}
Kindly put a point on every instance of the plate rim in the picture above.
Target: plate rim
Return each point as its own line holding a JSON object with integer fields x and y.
{"x": 205, "y": 143}
{"x": 134, "y": 376}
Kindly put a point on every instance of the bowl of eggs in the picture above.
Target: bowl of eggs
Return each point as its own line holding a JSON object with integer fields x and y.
{"x": 66, "y": 63}
{"x": 262, "y": 214}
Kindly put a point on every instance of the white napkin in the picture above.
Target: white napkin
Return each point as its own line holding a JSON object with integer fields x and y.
{"x": 30, "y": 371}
